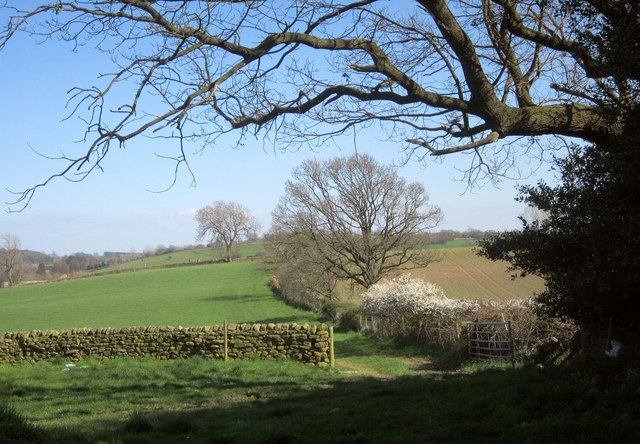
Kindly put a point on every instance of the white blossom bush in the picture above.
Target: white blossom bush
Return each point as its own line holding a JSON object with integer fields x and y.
{"x": 415, "y": 308}
{"x": 404, "y": 296}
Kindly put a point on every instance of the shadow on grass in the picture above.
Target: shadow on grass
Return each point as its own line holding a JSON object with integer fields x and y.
{"x": 524, "y": 405}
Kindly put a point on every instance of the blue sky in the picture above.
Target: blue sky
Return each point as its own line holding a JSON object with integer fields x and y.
{"x": 114, "y": 211}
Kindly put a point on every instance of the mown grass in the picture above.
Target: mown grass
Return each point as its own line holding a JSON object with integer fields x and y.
{"x": 394, "y": 398}
{"x": 187, "y": 296}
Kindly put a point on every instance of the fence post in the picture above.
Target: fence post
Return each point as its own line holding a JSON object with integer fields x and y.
{"x": 332, "y": 357}
{"x": 226, "y": 342}
{"x": 513, "y": 358}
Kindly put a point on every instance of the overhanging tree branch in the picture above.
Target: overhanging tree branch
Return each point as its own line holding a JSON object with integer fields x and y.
{"x": 441, "y": 77}
{"x": 491, "y": 138}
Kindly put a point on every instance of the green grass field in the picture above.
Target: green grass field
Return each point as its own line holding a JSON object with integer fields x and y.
{"x": 461, "y": 272}
{"x": 188, "y": 296}
{"x": 244, "y": 250}
{"x": 191, "y": 295}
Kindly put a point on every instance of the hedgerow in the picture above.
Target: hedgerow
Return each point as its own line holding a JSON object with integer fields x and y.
{"x": 415, "y": 309}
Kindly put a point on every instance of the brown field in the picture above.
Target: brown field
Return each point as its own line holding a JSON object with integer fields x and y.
{"x": 464, "y": 275}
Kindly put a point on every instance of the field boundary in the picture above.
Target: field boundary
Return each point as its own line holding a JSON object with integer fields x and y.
{"x": 310, "y": 344}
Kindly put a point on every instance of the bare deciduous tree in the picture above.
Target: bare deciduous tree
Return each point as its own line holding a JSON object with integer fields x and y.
{"x": 11, "y": 258}
{"x": 361, "y": 217}
{"x": 440, "y": 76}
{"x": 533, "y": 215}
{"x": 226, "y": 223}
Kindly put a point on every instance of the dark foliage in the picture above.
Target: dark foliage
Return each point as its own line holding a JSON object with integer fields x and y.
{"x": 609, "y": 31}
{"x": 588, "y": 248}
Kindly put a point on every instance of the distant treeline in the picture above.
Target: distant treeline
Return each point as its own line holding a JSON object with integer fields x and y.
{"x": 444, "y": 236}
{"x": 42, "y": 263}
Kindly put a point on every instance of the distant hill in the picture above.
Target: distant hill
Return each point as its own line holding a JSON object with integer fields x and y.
{"x": 186, "y": 257}
{"x": 461, "y": 273}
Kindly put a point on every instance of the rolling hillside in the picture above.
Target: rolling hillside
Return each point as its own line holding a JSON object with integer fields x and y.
{"x": 189, "y": 296}
{"x": 196, "y": 256}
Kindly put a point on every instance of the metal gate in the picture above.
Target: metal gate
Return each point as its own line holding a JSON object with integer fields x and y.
{"x": 491, "y": 341}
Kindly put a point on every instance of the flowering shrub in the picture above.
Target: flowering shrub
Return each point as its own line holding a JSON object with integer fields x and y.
{"x": 407, "y": 297}
{"x": 404, "y": 296}
{"x": 412, "y": 308}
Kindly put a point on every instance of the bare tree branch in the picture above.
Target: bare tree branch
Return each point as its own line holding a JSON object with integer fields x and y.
{"x": 441, "y": 77}
{"x": 491, "y": 138}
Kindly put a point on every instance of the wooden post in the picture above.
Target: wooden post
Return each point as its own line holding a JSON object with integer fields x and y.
{"x": 226, "y": 342}
{"x": 332, "y": 356}
{"x": 513, "y": 359}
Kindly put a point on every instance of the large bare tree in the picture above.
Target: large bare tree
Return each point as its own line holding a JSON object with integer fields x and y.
{"x": 10, "y": 259}
{"x": 226, "y": 223}
{"x": 440, "y": 76}
{"x": 360, "y": 216}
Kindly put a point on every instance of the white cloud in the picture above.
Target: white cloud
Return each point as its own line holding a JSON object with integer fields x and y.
{"x": 187, "y": 212}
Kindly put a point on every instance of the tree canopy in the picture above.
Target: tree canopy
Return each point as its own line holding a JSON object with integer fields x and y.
{"x": 439, "y": 76}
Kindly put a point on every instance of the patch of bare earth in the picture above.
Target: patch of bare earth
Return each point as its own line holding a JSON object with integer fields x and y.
{"x": 427, "y": 365}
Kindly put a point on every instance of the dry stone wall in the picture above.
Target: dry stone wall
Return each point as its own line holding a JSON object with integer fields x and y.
{"x": 306, "y": 343}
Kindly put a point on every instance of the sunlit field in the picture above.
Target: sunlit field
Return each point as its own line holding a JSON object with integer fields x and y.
{"x": 188, "y": 296}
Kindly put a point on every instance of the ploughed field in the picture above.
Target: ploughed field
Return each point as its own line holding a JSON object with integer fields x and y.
{"x": 463, "y": 274}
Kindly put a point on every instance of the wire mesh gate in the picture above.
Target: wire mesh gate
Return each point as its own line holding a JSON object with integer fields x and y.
{"x": 491, "y": 341}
